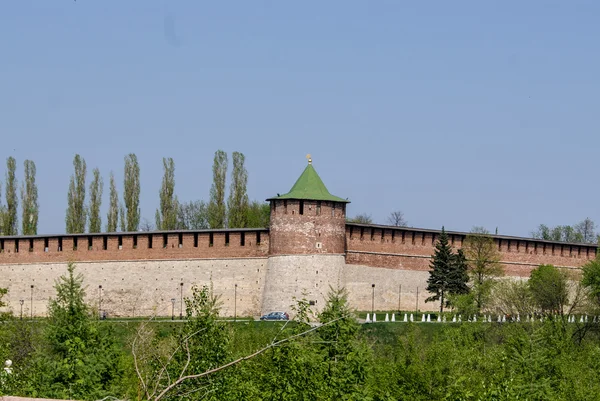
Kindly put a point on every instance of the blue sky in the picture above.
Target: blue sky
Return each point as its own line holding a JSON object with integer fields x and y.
{"x": 457, "y": 113}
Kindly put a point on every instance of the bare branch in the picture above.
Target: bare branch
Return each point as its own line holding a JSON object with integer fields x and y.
{"x": 244, "y": 358}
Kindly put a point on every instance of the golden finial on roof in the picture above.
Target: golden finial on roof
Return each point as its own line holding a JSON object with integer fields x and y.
{"x": 309, "y": 158}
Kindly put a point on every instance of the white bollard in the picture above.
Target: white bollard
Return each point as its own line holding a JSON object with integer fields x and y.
{"x": 393, "y": 317}
{"x": 581, "y": 319}
{"x": 406, "y": 318}
{"x": 454, "y": 319}
{"x": 460, "y": 318}
{"x": 484, "y": 319}
{"x": 444, "y": 319}
{"x": 368, "y": 319}
{"x": 475, "y": 318}
{"x": 439, "y": 319}
{"x": 428, "y": 318}
{"x": 411, "y": 317}
{"x": 518, "y": 317}
{"x": 499, "y": 319}
{"x": 503, "y": 318}
{"x": 374, "y": 317}
{"x": 387, "y": 317}
{"x": 423, "y": 317}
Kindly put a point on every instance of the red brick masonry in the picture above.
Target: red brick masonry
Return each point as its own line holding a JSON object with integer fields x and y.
{"x": 371, "y": 245}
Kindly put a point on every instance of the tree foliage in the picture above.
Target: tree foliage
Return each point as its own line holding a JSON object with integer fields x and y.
{"x": 448, "y": 274}
{"x": 237, "y": 203}
{"x": 258, "y": 215}
{"x": 216, "y": 205}
{"x": 112, "y": 216}
{"x": 76, "y": 210}
{"x": 549, "y": 288}
{"x": 29, "y": 200}
{"x": 166, "y": 215}
{"x": 131, "y": 193}
{"x": 362, "y": 218}
{"x": 582, "y": 232}
{"x": 192, "y": 215}
{"x": 484, "y": 263}
{"x": 80, "y": 361}
{"x": 10, "y": 220}
{"x": 96, "y": 189}
{"x": 591, "y": 279}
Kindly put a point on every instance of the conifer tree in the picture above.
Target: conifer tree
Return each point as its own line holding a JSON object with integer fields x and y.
{"x": 237, "y": 203}
{"x": 216, "y": 205}
{"x": 113, "y": 209}
{"x": 131, "y": 192}
{"x": 29, "y": 200}
{"x": 76, "y": 210}
{"x": 96, "y": 189}
{"x": 12, "y": 202}
{"x": 166, "y": 216}
{"x": 448, "y": 273}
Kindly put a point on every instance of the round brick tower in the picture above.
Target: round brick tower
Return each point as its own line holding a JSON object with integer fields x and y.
{"x": 307, "y": 244}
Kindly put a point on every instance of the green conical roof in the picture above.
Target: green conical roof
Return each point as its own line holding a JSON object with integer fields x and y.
{"x": 310, "y": 187}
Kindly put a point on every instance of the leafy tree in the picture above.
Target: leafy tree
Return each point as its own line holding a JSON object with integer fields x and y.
{"x": 29, "y": 200}
{"x": 122, "y": 218}
{"x": 258, "y": 215}
{"x": 237, "y": 203}
{"x": 512, "y": 297}
{"x": 347, "y": 357}
{"x": 166, "y": 216}
{"x": 216, "y": 205}
{"x": 448, "y": 274}
{"x": 76, "y": 210}
{"x": 586, "y": 229}
{"x": 81, "y": 362}
{"x": 10, "y": 215}
{"x": 484, "y": 263}
{"x": 591, "y": 279}
{"x": 361, "y": 219}
{"x": 113, "y": 209}
{"x": 131, "y": 193}
{"x": 396, "y": 218}
{"x": 192, "y": 215}
{"x": 96, "y": 189}
{"x": 549, "y": 288}
{"x": 583, "y": 232}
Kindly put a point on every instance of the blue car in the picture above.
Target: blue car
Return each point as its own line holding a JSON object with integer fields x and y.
{"x": 275, "y": 316}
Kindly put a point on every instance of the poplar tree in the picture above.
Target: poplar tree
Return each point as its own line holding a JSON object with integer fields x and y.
{"x": 12, "y": 202}
{"x": 113, "y": 209}
{"x": 122, "y": 220}
{"x": 448, "y": 273}
{"x": 216, "y": 204}
{"x": 96, "y": 189}
{"x": 166, "y": 216}
{"x": 2, "y": 212}
{"x": 29, "y": 200}
{"x": 76, "y": 211}
{"x": 131, "y": 192}
{"x": 237, "y": 203}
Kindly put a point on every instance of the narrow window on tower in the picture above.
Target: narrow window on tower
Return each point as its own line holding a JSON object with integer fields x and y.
{"x": 134, "y": 241}
{"x": 59, "y": 244}
{"x": 165, "y": 240}
{"x": 180, "y": 240}
{"x": 150, "y": 241}
{"x": 45, "y": 245}
{"x": 1, "y": 245}
{"x": 210, "y": 239}
{"x": 258, "y": 238}
{"x": 195, "y": 240}
{"x": 90, "y": 247}
{"x": 284, "y": 207}
{"x": 31, "y": 245}
{"x": 301, "y": 210}
{"x": 242, "y": 239}
{"x": 120, "y": 239}
{"x": 74, "y": 243}
{"x": 104, "y": 243}
{"x": 226, "y": 239}
{"x": 333, "y": 210}
{"x": 318, "y": 208}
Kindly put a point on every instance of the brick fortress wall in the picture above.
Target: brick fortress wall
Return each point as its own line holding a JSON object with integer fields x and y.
{"x": 411, "y": 249}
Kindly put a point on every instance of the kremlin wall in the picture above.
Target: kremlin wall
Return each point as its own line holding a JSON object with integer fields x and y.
{"x": 307, "y": 248}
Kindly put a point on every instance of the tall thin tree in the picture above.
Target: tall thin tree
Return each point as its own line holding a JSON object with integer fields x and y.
{"x": 166, "y": 216}
{"x": 76, "y": 210}
{"x": 96, "y": 189}
{"x": 131, "y": 192}
{"x": 216, "y": 205}
{"x": 29, "y": 200}
{"x": 113, "y": 209}
{"x": 237, "y": 203}
{"x": 12, "y": 202}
